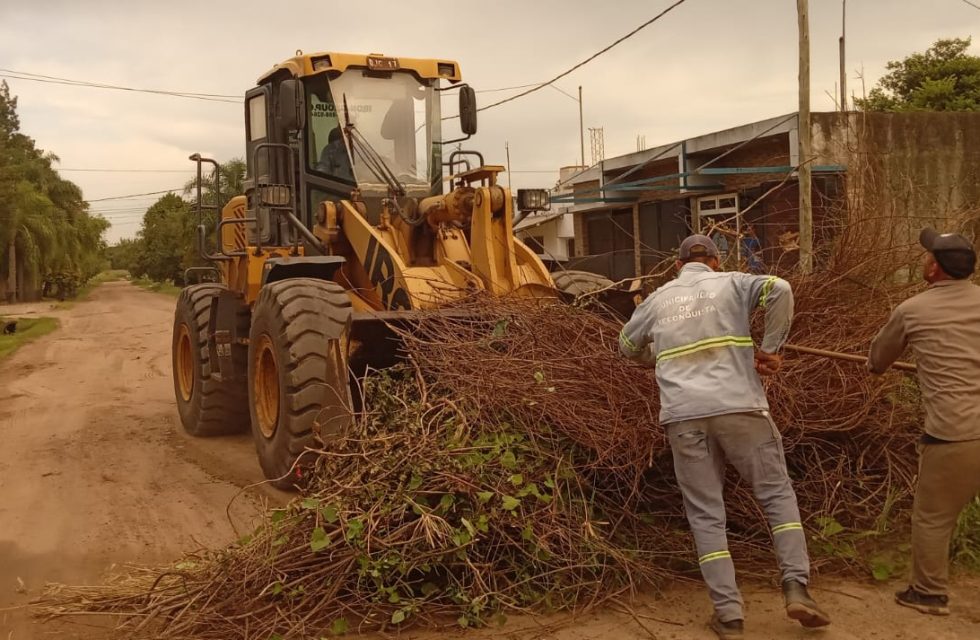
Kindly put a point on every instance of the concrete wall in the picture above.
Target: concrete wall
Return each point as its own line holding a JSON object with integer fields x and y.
{"x": 920, "y": 168}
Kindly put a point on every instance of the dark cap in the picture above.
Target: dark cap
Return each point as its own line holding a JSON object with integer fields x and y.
{"x": 954, "y": 253}
{"x": 698, "y": 246}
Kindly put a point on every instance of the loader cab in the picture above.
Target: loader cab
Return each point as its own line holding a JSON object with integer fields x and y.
{"x": 316, "y": 104}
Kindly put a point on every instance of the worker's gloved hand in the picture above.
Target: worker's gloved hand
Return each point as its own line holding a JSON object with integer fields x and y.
{"x": 767, "y": 364}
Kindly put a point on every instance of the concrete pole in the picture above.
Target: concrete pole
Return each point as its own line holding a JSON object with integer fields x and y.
{"x": 805, "y": 135}
{"x": 581, "y": 125}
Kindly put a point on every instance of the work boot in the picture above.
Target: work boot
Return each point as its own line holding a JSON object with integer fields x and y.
{"x": 731, "y": 630}
{"x": 933, "y": 605}
{"x": 801, "y": 607}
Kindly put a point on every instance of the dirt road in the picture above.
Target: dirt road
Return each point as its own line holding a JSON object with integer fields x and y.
{"x": 95, "y": 471}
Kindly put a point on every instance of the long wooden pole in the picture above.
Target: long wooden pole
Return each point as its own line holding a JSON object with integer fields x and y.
{"x": 902, "y": 366}
{"x": 806, "y": 203}
{"x": 843, "y": 71}
{"x": 581, "y": 125}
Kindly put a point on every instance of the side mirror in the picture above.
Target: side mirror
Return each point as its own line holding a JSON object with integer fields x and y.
{"x": 289, "y": 106}
{"x": 467, "y": 110}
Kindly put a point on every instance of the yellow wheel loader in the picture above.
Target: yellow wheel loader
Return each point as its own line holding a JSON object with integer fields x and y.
{"x": 352, "y": 219}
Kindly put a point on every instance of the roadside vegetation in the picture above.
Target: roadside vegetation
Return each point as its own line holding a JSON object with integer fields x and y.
{"x": 166, "y": 287}
{"x": 28, "y": 329}
{"x": 50, "y": 244}
{"x": 166, "y": 244}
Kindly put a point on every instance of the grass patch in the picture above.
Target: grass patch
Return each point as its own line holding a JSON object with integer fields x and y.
{"x": 966, "y": 539}
{"x": 28, "y": 329}
{"x": 166, "y": 288}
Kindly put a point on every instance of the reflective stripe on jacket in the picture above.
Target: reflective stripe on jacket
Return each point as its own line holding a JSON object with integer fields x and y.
{"x": 695, "y": 330}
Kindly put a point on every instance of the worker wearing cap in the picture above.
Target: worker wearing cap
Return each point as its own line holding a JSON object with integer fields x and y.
{"x": 695, "y": 331}
{"x": 942, "y": 325}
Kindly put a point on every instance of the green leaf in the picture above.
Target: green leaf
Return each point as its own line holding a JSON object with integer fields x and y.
{"x": 538, "y": 377}
{"x": 355, "y": 528}
{"x": 881, "y": 572}
{"x": 485, "y": 496}
{"x": 447, "y": 502}
{"x": 309, "y": 503}
{"x": 415, "y": 482}
{"x": 508, "y": 460}
{"x": 393, "y": 596}
{"x": 528, "y": 532}
{"x": 829, "y": 527}
{"x": 281, "y": 540}
{"x": 463, "y": 621}
{"x": 549, "y": 483}
{"x": 319, "y": 540}
{"x": 329, "y": 513}
{"x": 278, "y": 515}
{"x": 482, "y": 524}
{"x": 469, "y": 526}
{"x": 339, "y": 627}
{"x": 398, "y": 617}
{"x": 428, "y": 589}
{"x": 517, "y": 479}
{"x": 510, "y": 503}
{"x": 276, "y": 588}
{"x": 462, "y": 538}
{"x": 500, "y": 328}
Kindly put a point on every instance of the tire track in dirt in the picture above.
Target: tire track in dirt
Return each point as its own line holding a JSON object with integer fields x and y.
{"x": 95, "y": 470}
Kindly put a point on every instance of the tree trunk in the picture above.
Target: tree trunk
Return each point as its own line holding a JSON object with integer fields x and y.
{"x": 12, "y": 270}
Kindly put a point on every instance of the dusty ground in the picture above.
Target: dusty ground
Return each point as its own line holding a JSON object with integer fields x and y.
{"x": 95, "y": 471}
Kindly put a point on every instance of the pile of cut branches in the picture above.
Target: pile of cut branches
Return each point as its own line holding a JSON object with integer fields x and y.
{"x": 515, "y": 463}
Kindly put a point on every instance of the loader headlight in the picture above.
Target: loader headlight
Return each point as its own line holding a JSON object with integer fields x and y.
{"x": 533, "y": 200}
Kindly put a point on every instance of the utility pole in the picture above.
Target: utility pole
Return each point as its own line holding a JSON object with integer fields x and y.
{"x": 806, "y": 203}
{"x": 581, "y": 125}
{"x": 843, "y": 72}
{"x": 507, "y": 150}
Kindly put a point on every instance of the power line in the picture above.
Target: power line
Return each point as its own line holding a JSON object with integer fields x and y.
{"x": 975, "y": 6}
{"x": 587, "y": 60}
{"x": 514, "y": 88}
{"x": 130, "y": 170}
{"x": 36, "y": 77}
{"x": 136, "y": 195}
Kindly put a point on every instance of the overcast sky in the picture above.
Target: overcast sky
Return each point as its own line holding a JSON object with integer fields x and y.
{"x": 707, "y": 65}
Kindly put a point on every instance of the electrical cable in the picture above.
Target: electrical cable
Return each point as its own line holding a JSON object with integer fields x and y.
{"x": 36, "y": 77}
{"x": 128, "y": 170}
{"x": 583, "y": 62}
{"x": 136, "y": 195}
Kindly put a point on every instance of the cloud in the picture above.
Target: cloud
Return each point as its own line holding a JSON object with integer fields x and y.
{"x": 704, "y": 67}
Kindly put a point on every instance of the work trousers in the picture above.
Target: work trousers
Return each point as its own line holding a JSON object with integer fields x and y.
{"x": 949, "y": 477}
{"x": 752, "y": 444}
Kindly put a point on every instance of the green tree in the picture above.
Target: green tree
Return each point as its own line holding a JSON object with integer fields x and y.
{"x": 232, "y": 184}
{"x": 44, "y": 224}
{"x": 125, "y": 254}
{"x": 944, "y": 78}
{"x": 165, "y": 239}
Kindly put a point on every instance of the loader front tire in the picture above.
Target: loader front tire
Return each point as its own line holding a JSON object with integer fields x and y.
{"x": 578, "y": 283}
{"x": 297, "y": 370}
{"x": 207, "y": 406}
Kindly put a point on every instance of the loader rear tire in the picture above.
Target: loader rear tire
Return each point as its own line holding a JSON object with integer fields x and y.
{"x": 577, "y": 283}
{"x": 207, "y": 406}
{"x": 299, "y": 386}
